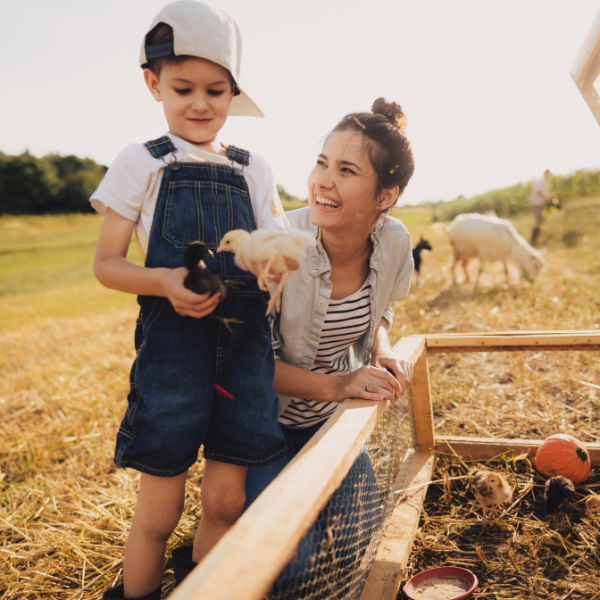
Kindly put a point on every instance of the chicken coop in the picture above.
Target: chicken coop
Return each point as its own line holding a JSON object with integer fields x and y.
{"x": 383, "y": 514}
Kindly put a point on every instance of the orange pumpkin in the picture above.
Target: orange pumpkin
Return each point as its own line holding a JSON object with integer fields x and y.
{"x": 562, "y": 454}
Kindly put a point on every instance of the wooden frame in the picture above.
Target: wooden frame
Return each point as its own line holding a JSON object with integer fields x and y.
{"x": 514, "y": 341}
{"x": 473, "y": 448}
{"x": 586, "y": 68}
{"x": 283, "y": 513}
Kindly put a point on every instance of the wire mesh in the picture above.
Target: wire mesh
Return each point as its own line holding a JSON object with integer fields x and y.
{"x": 334, "y": 558}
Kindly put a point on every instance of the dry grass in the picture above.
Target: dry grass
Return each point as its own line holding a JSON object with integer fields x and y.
{"x": 65, "y": 356}
{"x": 66, "y": 509}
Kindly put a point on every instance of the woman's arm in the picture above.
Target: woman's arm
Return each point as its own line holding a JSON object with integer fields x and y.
{"x": 114, "y": 271}
{"x": 293, "y": 381}
{"x": 383, "y": 356}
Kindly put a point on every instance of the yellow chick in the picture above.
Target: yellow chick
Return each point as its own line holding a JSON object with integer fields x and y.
{"x": 268, "y": 249}
{"x": 491, "y": 489}
{"x": 592, "y": 505}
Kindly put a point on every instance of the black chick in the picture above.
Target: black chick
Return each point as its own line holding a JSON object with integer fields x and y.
{"x": 559, "y": 490}
{"x": 201, "y": 280}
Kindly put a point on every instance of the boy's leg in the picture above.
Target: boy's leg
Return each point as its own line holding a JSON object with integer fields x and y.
{"x": 223, "y": 498}
{"x": 157, "y": 512}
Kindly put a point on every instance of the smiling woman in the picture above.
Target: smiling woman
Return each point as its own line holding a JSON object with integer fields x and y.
{"x": 335, "y": 316}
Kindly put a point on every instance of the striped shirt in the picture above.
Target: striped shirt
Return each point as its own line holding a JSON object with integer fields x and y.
{"x": 347, "y": 319}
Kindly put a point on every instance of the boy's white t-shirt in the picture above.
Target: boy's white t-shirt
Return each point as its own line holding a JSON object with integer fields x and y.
{"x": 131, "y": 185}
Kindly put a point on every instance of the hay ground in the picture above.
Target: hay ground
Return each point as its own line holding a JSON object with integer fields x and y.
{"x": 521, "y": 554}
{"x": 67, "y": 346}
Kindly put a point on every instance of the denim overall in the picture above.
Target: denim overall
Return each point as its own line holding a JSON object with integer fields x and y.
{"x": 174, "y": 406}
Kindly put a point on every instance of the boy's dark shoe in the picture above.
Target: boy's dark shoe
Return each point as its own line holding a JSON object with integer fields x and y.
{"x": 183, "y": 564}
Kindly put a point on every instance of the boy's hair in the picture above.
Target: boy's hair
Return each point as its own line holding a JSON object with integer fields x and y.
{"x": 164, "y": 33}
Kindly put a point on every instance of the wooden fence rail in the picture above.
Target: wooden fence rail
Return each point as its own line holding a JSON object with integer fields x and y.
{"x": 514, "y": 341}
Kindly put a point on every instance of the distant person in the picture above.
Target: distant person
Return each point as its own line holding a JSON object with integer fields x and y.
{"x": 539, "y": 199}
{"x": 179, "y": 188}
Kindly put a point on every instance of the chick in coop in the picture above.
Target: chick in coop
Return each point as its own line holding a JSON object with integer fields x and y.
{"x": 558, "y": 493}
{"x": 491, "y": 489}
{"x": 592, "y": 505}
{"x": 274, "y": 252}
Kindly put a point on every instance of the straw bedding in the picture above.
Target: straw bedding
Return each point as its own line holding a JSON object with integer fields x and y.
{"x": 522, "y": 554}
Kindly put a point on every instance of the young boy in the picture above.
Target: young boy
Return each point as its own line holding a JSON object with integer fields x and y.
{"x": 183, "y": 187}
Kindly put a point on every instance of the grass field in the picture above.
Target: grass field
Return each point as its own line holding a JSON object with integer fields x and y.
{"x": 67, "y": 347}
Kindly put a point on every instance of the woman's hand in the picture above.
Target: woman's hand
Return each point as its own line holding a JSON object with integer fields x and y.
{"x": 368, "y": 383}
{"x": 401, "y": 368}
{"x": 185, "y": 302}
{"x": 384, "y": 357}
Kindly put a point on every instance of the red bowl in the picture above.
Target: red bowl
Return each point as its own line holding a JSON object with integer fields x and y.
{"x": 442, "y": 573}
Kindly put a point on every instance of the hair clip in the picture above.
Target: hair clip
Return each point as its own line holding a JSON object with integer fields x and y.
{"x": 358, "y": 122}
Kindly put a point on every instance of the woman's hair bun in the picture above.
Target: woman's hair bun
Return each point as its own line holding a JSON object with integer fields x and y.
{"x": 392, "y": 110}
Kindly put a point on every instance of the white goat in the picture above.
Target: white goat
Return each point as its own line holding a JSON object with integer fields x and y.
{"x": 489, "y": 239}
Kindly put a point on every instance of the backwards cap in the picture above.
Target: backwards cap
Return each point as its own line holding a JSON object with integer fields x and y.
{"x": 203, "y": 31}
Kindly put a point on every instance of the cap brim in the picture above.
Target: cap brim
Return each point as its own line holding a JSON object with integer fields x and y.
{"x": 243, "y": 106}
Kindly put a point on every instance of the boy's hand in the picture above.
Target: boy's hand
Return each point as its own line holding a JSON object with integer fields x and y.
{"x": 185, "y": 302}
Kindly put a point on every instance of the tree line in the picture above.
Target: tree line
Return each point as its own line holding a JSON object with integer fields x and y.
{"x": 46, "y": 185}
{"x": 515, "y": 198}
{"x": 61, "y": 184}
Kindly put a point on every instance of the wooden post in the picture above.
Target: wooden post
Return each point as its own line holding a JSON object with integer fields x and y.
{"x": 587, "y": 66}
{"x": 421, "y": 407}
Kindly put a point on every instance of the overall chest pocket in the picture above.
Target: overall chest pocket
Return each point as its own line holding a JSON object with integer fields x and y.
{"x": 183, "y": 222}
{"x": 204, "y": 211}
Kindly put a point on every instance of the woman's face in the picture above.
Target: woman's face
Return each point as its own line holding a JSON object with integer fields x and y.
{"x": 342, "y": 184}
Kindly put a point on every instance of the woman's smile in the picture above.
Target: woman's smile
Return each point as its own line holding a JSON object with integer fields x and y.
{"x": 323, "y": 203}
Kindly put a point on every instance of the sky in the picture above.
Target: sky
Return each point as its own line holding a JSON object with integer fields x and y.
{"x": 485, "y": 85}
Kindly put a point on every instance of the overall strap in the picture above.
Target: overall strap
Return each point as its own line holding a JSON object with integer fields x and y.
{"x": 242, "y": 157}
{"x": 161, "y": 146}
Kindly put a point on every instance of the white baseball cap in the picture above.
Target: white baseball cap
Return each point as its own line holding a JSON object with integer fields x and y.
{"x": 201, "y": 30}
